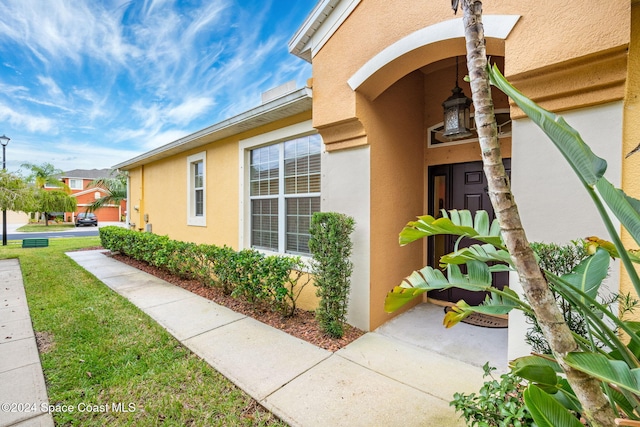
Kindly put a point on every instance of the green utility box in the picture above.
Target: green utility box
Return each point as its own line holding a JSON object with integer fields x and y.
{"x": 35, "y": 243}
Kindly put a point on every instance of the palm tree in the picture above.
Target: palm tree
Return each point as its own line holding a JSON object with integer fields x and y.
{"x": 47, "y": 175}
{"x": 535, "y": 287}
{"x": 44, "y": 175}
{"x": 115, "y": 187}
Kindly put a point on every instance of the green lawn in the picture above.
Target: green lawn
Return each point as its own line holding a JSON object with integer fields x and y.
{"x": 105, "y": 351}
{"x": 41, "y": 227}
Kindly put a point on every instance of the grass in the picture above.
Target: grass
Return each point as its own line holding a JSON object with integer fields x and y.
{"x": 41, "y": 227}
{"x": 103, "y": 351}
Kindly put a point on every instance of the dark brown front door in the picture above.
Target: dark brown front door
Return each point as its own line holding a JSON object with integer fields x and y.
{"x": 459, "y": 186}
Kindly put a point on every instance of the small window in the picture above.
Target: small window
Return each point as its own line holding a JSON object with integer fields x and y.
{"x": 196, "y": 191}
{"x": 75, "y": 184}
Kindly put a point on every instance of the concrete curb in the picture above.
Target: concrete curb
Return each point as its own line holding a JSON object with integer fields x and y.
{"x": 23, "y": 394}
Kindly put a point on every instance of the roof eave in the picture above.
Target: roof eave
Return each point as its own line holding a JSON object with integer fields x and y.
{"x": 298, "y": 43}
{"x": 286, "y": 106}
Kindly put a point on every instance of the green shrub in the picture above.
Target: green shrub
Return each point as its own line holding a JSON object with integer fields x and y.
{"x": 331, "y": 247}
{"x": 560, "y": 260}
{"x": 259, "y": 279}
{"x": 498, "y": 403}
{"x": 282, "y": 276}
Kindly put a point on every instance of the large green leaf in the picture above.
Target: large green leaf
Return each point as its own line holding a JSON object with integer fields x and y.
{"x": 496, "y": 303}
{"x": 458, "y": 223}
{"x": 478, "y": 278}
{"x": 538, "y": 360}
{"x": 562, "y": 391}
{"x": 484, "y": 253}
{"x": 414, "y": 285}
{"x": 546, "y": 411}
{"x": 541, "y": 375}
{"x": 399, "y": 296}
{"x": 589, "y": 274}
{"x": 589, "y": 167}
{"x": 540, "y": 371}
{"x": 594, "y": 312}
{"x": 625, "y": 208}
{"x": 606, "y": 370}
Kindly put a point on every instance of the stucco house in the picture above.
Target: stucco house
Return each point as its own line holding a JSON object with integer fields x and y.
{"x": 365, "y": 137}
{"x": 78, "y": 181}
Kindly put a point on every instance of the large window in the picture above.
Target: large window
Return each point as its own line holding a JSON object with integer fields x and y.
{"x": 284, "y": 192}
{"x": 196, "y": 194}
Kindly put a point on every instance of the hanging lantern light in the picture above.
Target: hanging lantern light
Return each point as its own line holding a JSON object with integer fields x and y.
{"x": 456, "y": 113}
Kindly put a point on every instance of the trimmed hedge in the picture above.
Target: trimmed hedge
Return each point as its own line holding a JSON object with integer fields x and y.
{"x": 331, "y": 247}
{"x": 248, "y": 273}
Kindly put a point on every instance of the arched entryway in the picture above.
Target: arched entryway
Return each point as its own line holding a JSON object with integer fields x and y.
{"x": 400, "y": 106}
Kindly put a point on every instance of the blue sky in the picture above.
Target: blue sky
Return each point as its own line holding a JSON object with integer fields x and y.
{"x": 87, "y": 84}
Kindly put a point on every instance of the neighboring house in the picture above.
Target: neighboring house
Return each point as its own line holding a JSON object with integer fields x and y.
{"x": 373, "y": 146}
{"x": 17, "y": 218}
{"x": 78, "y": 181}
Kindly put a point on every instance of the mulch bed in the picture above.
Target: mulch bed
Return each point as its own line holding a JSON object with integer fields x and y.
{"x": 302, "y": 325}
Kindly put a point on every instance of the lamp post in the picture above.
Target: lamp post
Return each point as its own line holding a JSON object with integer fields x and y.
{"x": 4, "y": 140}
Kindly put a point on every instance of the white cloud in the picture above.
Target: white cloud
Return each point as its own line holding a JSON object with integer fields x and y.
{"x": 190, "y": 109}
{"x": 162, "y": 138}
{"x": 65, "y": 30}
{"x": 11, "y": 89}
{"x": 136, "y": 73}
{"x": 51, "y": 85}
{"x": 27, "y": 121}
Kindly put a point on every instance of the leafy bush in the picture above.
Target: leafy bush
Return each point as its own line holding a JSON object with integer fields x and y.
{"x": 498, "y": 403}
{"x": 259, "y": 279}
{"x": 560, "y": 260}
{"x": 331, "y": 246}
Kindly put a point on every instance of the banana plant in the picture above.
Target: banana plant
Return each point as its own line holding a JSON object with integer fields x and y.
{"x": 456, "y": 222}
{"x": 588, "y": 167}
{"x": 616, "y": 375}
{"x": 618, "y": 369}
{"x": 463, "y": 224}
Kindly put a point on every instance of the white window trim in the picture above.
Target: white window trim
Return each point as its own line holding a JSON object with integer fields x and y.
{"x": 75, "y": 187}
{"x": 245, "y": 146}
{"x": 192, "y": 219}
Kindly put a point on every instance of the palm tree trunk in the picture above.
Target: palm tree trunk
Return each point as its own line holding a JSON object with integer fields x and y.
{"x": 596, "y": 407}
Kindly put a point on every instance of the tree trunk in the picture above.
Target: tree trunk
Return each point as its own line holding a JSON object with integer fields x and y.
{"x": 595, "y": 405}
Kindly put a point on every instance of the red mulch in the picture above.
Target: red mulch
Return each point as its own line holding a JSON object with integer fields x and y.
{"x": 302, "y": 325}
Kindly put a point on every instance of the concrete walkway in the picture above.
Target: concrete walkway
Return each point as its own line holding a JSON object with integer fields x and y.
{"x": 23, "y": 394}
{"x": 376, "y": 380}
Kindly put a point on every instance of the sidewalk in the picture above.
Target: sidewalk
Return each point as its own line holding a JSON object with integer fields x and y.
{"x": 376, "y": 380}
{"x": 22, "y": 385}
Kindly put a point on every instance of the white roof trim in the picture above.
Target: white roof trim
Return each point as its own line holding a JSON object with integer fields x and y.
{"x": 495, "y": 26}
{"x": 88, "y": 191}
{"x": 323, "y": 21}
{"x": 285, "y": 106}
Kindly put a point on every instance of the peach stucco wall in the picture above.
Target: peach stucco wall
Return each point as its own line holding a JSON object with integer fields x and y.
{"x": 396, "y": 136}
{"x": 562, "y": 55}
{"x": 562, "y": 34}
{"x": 631, "y": 131}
